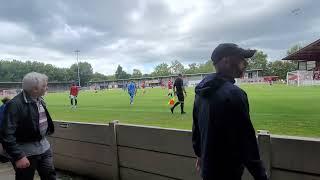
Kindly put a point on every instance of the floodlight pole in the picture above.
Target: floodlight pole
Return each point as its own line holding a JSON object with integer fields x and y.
{"x": 77, "y": 53}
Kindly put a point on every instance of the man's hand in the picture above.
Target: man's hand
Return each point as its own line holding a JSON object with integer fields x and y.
{"x": 23, "y": 163}
{"x": 198, "y": 164}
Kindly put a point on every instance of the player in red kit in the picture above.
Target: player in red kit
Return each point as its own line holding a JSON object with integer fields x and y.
{"x": 74, "y": 90}
{"x": 143, "y": 86}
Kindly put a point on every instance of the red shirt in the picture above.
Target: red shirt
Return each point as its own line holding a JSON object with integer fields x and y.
{"x": 74, "y": 91}
{"x": 169, "y": 85}
{"x": 142, "y": 85}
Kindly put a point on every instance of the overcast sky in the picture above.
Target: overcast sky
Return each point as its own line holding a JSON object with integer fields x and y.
{"x": 143, "y": 33}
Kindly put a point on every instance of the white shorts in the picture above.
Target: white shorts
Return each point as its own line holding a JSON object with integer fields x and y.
{"x": 73, "y": 97}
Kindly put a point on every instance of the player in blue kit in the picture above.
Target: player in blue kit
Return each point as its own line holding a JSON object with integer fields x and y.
{"x": 132, "y": 91}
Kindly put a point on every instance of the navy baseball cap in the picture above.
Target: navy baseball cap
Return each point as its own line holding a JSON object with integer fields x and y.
{"x": 230, "y": 49}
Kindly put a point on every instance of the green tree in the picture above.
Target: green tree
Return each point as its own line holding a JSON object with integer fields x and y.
{"x": 111, "y": 77}
{"x": 121, "y": 74}
{"x": 98, "y": 77}
{"x": 15, "y": 70}
{"x": 61, "y": 75}
{"x": 136, "y": 73}
{"x": 177, "y": 67}
{"x": 294, "y": 49}
{"x": 258, "y": 61}
{"x": 161, "y": 70}
{"x": 206, "y": 67}
{"x": 280, "y": 68}
{"x": 85, "y": 71}
{"x": 193, "y": 68}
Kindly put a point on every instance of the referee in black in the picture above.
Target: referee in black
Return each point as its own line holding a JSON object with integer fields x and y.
{"x": 178, "y": 89}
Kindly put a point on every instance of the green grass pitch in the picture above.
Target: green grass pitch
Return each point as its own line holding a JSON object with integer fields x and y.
{"x": 280, "y": 109}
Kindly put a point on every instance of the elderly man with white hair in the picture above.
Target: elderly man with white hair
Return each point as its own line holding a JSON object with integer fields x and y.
{"x": 26, "y": 124}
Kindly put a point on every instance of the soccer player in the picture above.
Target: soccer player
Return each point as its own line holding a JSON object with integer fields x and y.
{"x": 124, "y": 87}
{"x": 74, "y": 90}
{"x": 143, "y": 85}
{"x": 163, "y": 84}
{"x": 132, "y": 91}
{"x": 178, "y": 89}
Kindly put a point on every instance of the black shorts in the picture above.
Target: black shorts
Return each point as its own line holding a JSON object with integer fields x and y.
{"x": 180, "y": 97}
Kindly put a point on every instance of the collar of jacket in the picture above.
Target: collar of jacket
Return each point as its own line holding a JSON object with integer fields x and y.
{"x": 226, "y": 78}
{"x": 28, "y": 99}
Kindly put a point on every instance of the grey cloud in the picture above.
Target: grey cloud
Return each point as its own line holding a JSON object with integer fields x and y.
{"x": 274, "y": 22}
{"x": 104, "y": 30}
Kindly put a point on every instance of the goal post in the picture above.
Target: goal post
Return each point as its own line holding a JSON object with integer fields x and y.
{"x": 303, "y": 78}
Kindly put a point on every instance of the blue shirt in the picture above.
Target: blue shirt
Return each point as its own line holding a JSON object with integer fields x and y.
{"x": 131, "y": 88}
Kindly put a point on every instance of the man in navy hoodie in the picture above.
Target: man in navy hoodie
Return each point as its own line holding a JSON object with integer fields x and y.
{"x": 223, "y": 136}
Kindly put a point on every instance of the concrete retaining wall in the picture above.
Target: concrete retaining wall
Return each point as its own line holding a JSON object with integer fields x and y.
{"x": 127, "y": 152}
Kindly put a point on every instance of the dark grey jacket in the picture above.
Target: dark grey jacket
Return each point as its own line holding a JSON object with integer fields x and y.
{"x": 21, "y": 124}
{"x": 223, "y": 135}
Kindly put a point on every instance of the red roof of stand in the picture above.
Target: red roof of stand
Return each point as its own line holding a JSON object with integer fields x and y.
{"x": 309, "y": 53}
